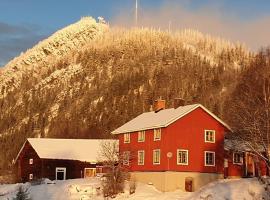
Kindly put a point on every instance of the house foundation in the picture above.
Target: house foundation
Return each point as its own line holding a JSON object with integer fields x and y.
{"x": 170, "y": 181}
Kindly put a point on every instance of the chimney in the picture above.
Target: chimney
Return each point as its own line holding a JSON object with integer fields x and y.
{"x": 159, "y": 105}
{"x": 178, "y": 102}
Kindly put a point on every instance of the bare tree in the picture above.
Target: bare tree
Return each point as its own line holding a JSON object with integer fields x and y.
{"x": 116, "y": 173}
{"x": 248, "y": 109}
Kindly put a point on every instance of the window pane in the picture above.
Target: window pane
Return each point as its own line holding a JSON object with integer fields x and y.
{"x": 156, "y": 156}
{"x": 141, "y": 136}
{"x": 126, "y": 157}
{"x": 210, "y": 136}
{"x": 182, "y": 157}
{"x": 141, "y": 157}
{"x": 209, "y": 158}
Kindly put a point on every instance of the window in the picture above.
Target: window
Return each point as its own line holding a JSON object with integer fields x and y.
{"x": 209, "y": 158}
{"x": 157, "y": 134}
{"x": 141, "y": 157}
{"x": 31, "y": 161}
{"x": 238, "y": 158}
{"x": 209, "y": 136}
{"x": 182, "y": 157}
{"x": 127, "y": 138}
{"x": 30, "y": 176}
{"x": 156, "y": 156}
{"x": 141, "y": 136}
{"x": 126, "y": 157}
{"x": 90, "y": 172}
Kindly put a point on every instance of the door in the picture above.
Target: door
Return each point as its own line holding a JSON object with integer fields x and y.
{"x": 60, "y": 173}
{"x": 250, "y": 165}
{"x": 226, "y": 168}
{"x": 89, "y": 172}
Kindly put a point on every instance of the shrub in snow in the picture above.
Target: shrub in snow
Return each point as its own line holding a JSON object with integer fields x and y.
{"x": 132, "y": 186}
{"x": 207, "y": 197}
{"x": 114, "y": 182}
{"x": 22, "y": 194}
{"x": 266, "y": 182}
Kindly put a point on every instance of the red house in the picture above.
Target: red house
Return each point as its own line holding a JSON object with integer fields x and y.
{"x": 176, "y": 148}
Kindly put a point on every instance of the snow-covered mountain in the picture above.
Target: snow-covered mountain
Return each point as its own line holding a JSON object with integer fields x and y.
{"x": 88, "y": 78}
{"x": 37, "y": 60}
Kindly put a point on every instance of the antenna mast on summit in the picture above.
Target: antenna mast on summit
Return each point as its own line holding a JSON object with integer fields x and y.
{"x": 136, "y": 13}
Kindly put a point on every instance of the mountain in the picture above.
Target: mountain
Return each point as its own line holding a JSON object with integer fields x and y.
{"x": 88, "y": 78}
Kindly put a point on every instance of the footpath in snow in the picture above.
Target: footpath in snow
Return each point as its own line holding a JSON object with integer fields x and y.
{"x": 86, "y": 189}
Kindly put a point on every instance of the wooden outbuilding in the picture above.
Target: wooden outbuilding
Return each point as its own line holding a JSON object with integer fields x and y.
{"x": 59, "y": 159}
{"x": 241, "y": 161}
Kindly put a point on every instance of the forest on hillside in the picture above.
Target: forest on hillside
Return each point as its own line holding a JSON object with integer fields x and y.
{"x": 91, "y": 91}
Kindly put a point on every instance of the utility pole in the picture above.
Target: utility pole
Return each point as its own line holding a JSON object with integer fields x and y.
{"x": 136, "y": 13}
{"x": 170, "y": 24}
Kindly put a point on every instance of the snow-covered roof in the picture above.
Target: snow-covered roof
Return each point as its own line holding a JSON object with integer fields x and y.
{"x": 241, "y": 145}
{"x": 67, "y": 149}
{"x": 163, "y": 118}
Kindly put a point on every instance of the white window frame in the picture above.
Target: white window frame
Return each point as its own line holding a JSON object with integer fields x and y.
{"x": 31, "y": 161}
{"x": 126, "y": 158}
{"x": 141, "y": 163}
{"x": 141, "y": 136}
{"x": 178, "y": 161}
{"x": 31, "y": 176}
{"x": 61, "y": 169}
{"x": 154, "y": 151}
{"x": 155, "y": 134}
{"x": 89, "y": 168}
{"x": 126, "y": 137}
{"x": 214, "y": 159}
{"x": 214, "y": 136}
{"x": 241, "y": 158}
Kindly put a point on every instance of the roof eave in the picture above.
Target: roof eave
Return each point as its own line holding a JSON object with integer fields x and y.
{"x": 175, "y": 119}
{"x": 135, "y": 130}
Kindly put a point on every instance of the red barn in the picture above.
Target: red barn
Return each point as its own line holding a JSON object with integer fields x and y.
{"x": 176, "y": 148}
{"x": 59, "y": 159}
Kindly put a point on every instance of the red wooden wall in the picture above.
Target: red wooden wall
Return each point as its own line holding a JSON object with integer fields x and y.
{"x": 239, "y": 170}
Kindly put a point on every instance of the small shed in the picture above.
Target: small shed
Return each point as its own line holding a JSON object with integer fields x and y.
{"x": 241, "y": 161}
{"x": 59, "y": 159}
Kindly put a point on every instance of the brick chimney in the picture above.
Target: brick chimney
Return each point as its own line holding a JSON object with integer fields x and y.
{"x": 178, "y": 102}
{"x": 159, "y": 105}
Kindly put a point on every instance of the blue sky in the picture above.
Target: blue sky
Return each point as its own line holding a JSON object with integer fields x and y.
{"x": 24, "y": 22}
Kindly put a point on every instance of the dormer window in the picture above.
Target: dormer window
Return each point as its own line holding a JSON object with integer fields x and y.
{"x": 209, "y": 136}
{"x": 141, "y": 136}
{"x": 127, "y": 138}
{"x": 31, "y": 161}
{"x": 157, "y": 134}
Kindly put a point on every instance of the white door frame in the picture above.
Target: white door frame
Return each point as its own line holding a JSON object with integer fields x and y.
{"x": 60, "y": 169}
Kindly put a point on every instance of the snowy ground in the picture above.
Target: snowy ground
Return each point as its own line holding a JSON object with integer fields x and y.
{"x": 83, "y": 189}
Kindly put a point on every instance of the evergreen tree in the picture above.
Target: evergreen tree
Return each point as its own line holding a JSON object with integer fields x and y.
{"x": 22, "y": 194}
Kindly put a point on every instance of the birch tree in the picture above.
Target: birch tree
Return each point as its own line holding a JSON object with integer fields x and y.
{"x": 248, "y": 108}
